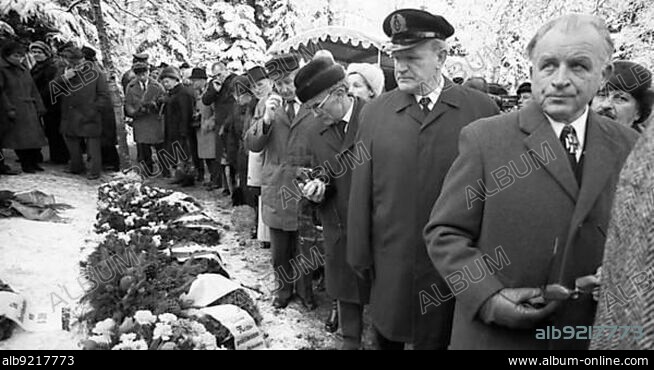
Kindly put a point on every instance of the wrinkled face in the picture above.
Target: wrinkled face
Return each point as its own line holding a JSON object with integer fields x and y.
{"x": 359, "y": 87}
{"x": 568, "y": 69}
{"x": 417, "y": 70}
{"x": 285, "y": 86}
{"x": 15, "y": 58}
{"x": 168, "y": 83}
{"x": 524, "y": 99}
{"x": 330, "y": 105}
{"x": 618, "y": 105}
{"x": 38, "y": 55}
{"x": 155, "y": 73}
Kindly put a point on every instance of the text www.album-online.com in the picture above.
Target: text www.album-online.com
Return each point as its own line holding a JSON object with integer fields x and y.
{"x": 576, "y": 361}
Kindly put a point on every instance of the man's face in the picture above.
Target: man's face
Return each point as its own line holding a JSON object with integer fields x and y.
{"x": 417, "y": 69}
{"x": 38, "y": 55}
{"x": 168, "y": 83}
{"x": 285, "y": 87}
{"x": 155, "y": 74}
{"x": 330, "y": 106}
{"x": 74, "y": 63}
{"x": 15, "y": 58}
{"x": 618, "y": 105}
{"x": 142, "y": 76}
{"x": 568, "y": 69}
{"x": 263, "y": 88}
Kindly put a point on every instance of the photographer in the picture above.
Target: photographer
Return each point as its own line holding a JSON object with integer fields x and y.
{"x": 141, "y": 105}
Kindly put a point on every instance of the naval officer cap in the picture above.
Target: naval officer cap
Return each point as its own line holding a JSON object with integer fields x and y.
{"x": 409, "y": 27}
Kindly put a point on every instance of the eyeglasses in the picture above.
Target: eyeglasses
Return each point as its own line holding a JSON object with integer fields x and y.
{"x": 318, "y": 107}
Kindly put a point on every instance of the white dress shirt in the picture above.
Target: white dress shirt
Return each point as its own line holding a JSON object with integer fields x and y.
{"x": 348, "y": 116}
{"x": 434, "y": 95}
{"x": 580, "y": 127}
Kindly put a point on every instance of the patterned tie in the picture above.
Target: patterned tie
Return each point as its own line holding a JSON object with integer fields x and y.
{"x": 424, "y": 104}
{"x": 290, "y": 110}
{"x": 570, "y": 143}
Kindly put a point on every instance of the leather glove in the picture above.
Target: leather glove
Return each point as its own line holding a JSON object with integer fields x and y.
{"x": 510, "y": 308}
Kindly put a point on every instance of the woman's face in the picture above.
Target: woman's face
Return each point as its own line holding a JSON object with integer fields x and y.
{"x": 359, "y": 87}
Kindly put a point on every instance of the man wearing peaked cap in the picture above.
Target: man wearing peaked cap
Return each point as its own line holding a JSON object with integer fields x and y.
{"x": 411, "y": 134}
{"x": 409, "y": 27}
{"x": 322, "y": 85}
{"x": 278, "y": 120}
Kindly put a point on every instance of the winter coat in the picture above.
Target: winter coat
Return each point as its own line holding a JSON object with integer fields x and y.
{"x": 143, "y": 108}
{"x": 22, "y": 107}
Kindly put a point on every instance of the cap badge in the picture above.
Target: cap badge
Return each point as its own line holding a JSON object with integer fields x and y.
{"x": 398, "y": 24}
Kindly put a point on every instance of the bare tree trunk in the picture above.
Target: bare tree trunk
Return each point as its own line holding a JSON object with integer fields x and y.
{"x": 114, "y": 88}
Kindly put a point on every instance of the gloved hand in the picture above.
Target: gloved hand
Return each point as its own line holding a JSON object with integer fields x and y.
{"x": 510, "y": 308}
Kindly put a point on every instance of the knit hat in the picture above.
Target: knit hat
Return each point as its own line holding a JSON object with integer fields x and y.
{"x": 372, "y": 74}
{"x": 42, "y": 46}
{"x": 316, "y": 77}
{"x": 170, "y": 72}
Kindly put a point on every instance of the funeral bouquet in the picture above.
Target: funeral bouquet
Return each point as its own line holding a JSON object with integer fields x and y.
{"x": 146, "y": 331}
{"x": 125, "y": 206}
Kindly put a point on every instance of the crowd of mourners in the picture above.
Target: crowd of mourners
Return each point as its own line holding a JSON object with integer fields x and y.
{"x": 463, "y": 216}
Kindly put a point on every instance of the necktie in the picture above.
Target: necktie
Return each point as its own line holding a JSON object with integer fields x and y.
{"x": 424, "y": 104}
{"x": 340, "y": 126}
{"x": 290, "y": 110}
{"x": 570, "y": 143}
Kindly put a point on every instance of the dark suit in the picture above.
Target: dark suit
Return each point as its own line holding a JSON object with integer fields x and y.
{"x": 391, "y": 197}
{"x": 531, "y": 199}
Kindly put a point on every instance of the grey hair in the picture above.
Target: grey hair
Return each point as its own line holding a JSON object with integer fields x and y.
{"x": 574, "y": 21}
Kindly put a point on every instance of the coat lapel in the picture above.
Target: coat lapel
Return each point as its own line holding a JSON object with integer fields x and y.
{"x": 541, "y": 136}
{"x": 301, "y": 114}
{"x": 353, "y": 126}
{"x": 329, "y": 134}
{"x": 448, "y": 99}
{"x": 600, "y": 156}
{"x": 405, "y": 101}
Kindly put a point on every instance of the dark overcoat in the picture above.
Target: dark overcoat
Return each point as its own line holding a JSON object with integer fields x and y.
{"x": 21, "y": 95}
{"x": 333, "y": 158}
{"x": 391, "y": 197}
{"x": 510, "y": 197}
{"x": 83, "y": 102}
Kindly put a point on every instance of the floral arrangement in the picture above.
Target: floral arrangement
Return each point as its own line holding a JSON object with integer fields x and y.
{"x": 137, "y": 278}
{"x": 146, "y": 331}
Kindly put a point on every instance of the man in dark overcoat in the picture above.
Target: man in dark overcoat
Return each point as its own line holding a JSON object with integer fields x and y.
{"x": 520, "y": 226}
{"x": 410, "y": 135}
{"x": 322, "y": 86}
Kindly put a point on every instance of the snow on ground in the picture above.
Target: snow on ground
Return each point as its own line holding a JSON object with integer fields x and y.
{"x": 41, "y": 261}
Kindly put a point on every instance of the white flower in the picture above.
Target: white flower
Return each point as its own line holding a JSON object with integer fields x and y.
{"x": 144, "y": 317}
{"x": 129, "y": 337}
{"x": 156, "y": 240}
{"x": 205, "y": 341}
{"x": 167, "y": 318}
{"x": 163, "y": 331}
{"x": 138, "y": 345}
{"x": 104, "y": 327}
{"x": 101, "y": 339}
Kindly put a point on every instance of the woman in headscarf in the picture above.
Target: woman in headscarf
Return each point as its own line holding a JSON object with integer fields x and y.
{"x": 366, "y": 80}
{"x": 44, "y": 72}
